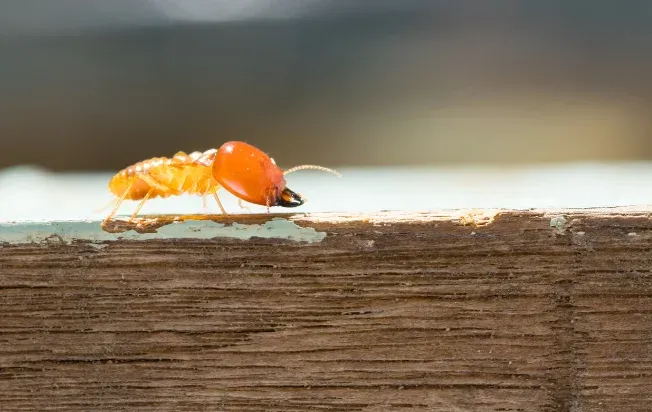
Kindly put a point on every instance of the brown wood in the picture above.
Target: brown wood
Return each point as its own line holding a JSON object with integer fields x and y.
{"x": 390, "y": 312}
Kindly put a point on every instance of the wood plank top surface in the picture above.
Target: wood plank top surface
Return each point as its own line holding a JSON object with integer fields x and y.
{"x": 33, "y": 194}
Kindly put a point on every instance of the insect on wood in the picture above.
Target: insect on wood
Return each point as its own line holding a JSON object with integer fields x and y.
{"x": 240, "y": 168}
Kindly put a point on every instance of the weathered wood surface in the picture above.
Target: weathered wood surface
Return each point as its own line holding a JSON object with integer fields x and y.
{"x": 421, "y": 312}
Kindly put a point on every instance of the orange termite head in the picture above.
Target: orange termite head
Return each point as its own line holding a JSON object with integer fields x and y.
{"x": 251, "y": 175}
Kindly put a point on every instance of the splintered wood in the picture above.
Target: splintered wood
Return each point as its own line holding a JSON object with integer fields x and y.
{"x": 528, "y": 311}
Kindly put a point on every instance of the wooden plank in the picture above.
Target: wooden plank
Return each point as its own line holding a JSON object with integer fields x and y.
{"x": 451, "y": 310}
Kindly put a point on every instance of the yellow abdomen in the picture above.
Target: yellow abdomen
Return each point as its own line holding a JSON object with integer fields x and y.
{"x": 164, "y": 177}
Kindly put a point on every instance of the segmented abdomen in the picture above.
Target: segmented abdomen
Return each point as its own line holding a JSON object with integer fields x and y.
{"x": 183, "y": 173}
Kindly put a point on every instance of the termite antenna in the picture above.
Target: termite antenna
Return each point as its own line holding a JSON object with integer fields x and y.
{"x": 313, "y": 167}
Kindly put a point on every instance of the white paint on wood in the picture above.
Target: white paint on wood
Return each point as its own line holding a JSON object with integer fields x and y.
{"x": 91, "y": 231}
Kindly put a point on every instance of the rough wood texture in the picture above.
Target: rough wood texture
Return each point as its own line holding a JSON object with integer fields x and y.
{"x": 388, "y": 313}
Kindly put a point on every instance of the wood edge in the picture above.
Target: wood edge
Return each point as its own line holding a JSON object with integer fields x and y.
{"x": 308, "y": 227}
{"x": 382, "y": 216}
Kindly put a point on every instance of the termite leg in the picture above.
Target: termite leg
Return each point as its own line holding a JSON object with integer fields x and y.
{"x": 219, "y": 203}
{"x": 109, "y": 204}
{"x": 242, "y": 205}
{"x": 115, "y": 209}
{"x": 141, "y": 204}
{"x": 203, "y": 202}
{"x": 153, "y": 184}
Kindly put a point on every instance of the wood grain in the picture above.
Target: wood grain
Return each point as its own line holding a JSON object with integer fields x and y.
{"x": 390, "y": 312}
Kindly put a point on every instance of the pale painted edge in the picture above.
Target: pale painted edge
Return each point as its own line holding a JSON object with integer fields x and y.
{"x": 16, "y": 233}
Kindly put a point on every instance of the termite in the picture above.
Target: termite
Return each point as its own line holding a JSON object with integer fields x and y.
{"x": 242, "y": 169}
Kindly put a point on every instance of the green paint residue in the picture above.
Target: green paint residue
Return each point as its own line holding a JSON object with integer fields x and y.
{"x": 67, "y": 232}
{"x": 558, "y": 222}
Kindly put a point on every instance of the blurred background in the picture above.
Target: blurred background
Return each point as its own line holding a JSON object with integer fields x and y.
{"x": 98, "y": 84}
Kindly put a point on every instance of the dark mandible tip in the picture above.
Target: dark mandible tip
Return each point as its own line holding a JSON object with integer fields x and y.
{"x": 289, "y": 198}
